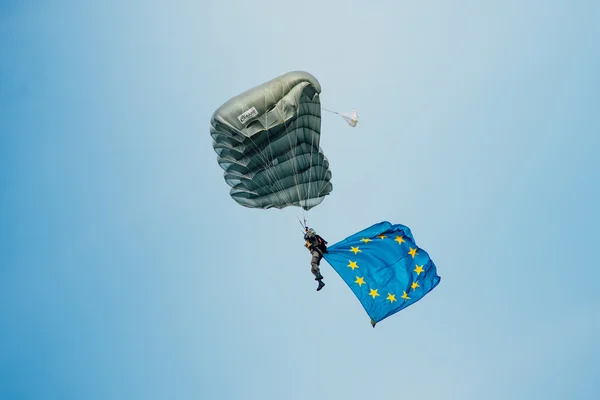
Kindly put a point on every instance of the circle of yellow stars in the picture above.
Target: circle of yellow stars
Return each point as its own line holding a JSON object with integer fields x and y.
{"x": 391, "y": 297}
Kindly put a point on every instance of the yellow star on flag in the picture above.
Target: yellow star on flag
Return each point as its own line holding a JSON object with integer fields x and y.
{"x": 365, "y": 240}
{"x": 354, "y": 249}
{"x": 359, "y": 281}
{"x": 391, "y": 297}
{"x": 373, "y": 293}
{"x": 412, "y": 252}
{"x": 405, "y": 296}
{"x": 399, "y": 239}
{"x": 419, "y": 269}
{"x": 381, "y": 237}
{"x": 352, "y": 264}
{"x": 414, "y": 285}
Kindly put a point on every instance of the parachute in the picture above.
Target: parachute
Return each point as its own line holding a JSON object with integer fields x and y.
{"x": 351, "y": 118}
{"x": 267, "y": 141}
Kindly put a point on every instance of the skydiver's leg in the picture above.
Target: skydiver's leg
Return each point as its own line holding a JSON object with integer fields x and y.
{"x": 316, "y": 259}
{"x": 319, "y": 264}
{"x": 314, "y": 265}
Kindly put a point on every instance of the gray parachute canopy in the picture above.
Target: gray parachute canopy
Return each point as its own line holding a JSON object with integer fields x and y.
{"x": 267, "y": 142}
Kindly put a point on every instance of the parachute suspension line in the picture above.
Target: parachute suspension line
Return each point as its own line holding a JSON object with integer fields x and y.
{"x": 312, "y": 142}
{"x": 310, "y": 165}
{"x": 281, "y": 192}
{"x": 277, "y": 181}
{"x": 313, "y": 138}
{"x": 295, "y": 148}
{"x": 265, "y": 162}
{"x": 296, "y": 173}
{"x": 301, "y": 224}
{"x": 303, "y": 218}
{"x": 334, "y": 112}
{"x": 266, "y": 155}
{"x": 294, "y": 161}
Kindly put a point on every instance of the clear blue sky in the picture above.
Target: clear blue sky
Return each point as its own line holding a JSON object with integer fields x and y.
{"x": 127, "y": 272}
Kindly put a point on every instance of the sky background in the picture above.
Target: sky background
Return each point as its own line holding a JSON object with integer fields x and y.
{"x": 127, "y": 271}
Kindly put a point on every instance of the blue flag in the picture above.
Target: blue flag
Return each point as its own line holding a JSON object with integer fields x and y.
{"x": 384, "y": 268}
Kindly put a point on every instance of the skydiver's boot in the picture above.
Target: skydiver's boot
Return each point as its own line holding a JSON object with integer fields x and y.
{"x": 321, "y": 284}
{"x": 319, "y": 276}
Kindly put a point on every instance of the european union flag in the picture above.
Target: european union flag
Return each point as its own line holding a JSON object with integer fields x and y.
{"x": 384, "y": 268}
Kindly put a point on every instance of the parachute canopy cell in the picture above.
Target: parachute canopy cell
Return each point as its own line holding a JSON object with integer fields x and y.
{"x": 267, "y": 141}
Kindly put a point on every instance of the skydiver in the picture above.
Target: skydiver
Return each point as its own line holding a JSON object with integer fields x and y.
{"x": 316, "y": 245}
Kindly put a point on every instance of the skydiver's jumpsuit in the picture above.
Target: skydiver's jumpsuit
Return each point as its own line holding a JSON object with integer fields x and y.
{"x": 316, "y": 253}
